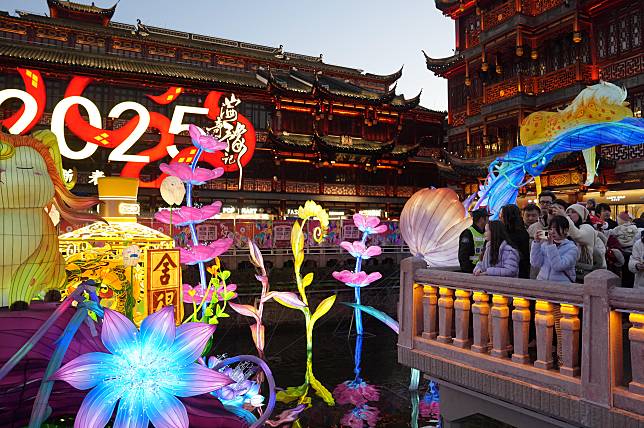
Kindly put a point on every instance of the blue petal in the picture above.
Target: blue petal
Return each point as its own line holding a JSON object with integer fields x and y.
{"x": 166, "y": 411}
{"x": 118, "y": 333}
{"x": 157, "y": 331}
{"x": 130, "y": 413}
{"x": 87, "y": 370}
{"x": 196, "y": 380}
{"x": 189, "y": 342}
{"x": 97, "y": 407}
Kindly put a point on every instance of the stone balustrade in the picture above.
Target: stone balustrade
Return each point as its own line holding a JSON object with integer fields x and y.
{"x": 550, "y": 348}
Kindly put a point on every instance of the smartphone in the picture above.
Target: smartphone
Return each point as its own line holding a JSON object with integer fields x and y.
{"x": 545, "y": 234}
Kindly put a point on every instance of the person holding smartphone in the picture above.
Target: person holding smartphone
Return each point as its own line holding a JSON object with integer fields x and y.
{"x": 636, "y": 262}
{"x": 553, "y": 253}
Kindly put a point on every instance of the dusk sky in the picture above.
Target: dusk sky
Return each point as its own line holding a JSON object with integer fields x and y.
{"x": 377, "y": 36}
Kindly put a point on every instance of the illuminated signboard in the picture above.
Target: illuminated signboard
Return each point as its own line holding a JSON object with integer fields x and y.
{"x": 228, "y": 125}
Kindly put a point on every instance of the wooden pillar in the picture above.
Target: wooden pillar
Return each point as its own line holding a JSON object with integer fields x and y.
{"x": 430, "y": 301}
{"x": 480, "y": 314}
{"x": 462, "y": 316}
{"x": 636, "y": 336}
{"x": 445, "y": 314}
{"x": 544, "y": 321}
{"x": 410, "y": 304}
{"x": 500, "y": 334}
{"x": 570, "y": 327}
{"x": 521, "y": 327}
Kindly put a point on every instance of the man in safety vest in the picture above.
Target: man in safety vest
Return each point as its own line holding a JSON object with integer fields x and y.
{"x": 472, "y": 240}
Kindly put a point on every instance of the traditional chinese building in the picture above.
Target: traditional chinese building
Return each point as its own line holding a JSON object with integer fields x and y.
{"x": 310, "y": 130}
{"x": 514, "y": 57}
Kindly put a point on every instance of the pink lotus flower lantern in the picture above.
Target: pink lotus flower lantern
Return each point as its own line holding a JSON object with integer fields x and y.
{"x": 189, "y": 215}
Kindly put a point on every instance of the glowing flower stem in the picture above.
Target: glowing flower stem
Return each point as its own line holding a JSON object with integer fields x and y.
{"x": 357, "y": 312}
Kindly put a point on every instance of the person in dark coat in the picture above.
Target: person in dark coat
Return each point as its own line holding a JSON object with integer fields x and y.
{"x": 472, "y": 241}
{"x": 603, "y": 211}
{"x": 510, "y": 216}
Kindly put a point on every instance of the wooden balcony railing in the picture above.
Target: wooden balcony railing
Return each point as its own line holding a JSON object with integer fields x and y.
{"x": 483, "y": 324}
{"x": 472, "y": 38}
{"x": 457, "y": 116}
{"x": 534, "y": 85}
{"x": 537, "y": 7}
{"x": 474, "y": 106}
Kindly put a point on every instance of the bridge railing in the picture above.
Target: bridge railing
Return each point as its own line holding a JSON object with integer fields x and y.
{"x": 485, "y": 323}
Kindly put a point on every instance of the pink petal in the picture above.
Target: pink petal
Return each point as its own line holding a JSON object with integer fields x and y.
{"x": 118, "y": 333}
{"x": 347, "y": 246}
{"x": 343, "y": 276}
{"x": 359, "y": 220}
{"x": 158, "y": 330}
{"x": 373, "y": 251}
{"x": 166, "y": 411}
{"x": 287, "y": 297}
{"x": 375, "y": 276}
{"x": 86, "y": 370}
{"x": 195, "y": 132}
{"x": 196, "y": 380}
{"x": 190, "y": 340}
{"x": 358, "y": 247}
{"x": 372, "y": 222}
{"x": 380, "y": 229}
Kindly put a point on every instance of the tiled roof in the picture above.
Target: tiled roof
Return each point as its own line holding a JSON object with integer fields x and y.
{"x": 355, "y": 145}
{"x": 36, "y": 55}
{"x": 79, "y": 7}
{"x": 440, "y": 65}
{"x": 291, "y": 141}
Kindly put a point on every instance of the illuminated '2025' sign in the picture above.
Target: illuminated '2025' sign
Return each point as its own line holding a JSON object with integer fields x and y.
{"x": 228, "y": 126}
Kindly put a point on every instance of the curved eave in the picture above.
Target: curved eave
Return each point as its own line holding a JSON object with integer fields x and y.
{"x": 388, "y": 79}
{"x": 409, "y": 104}
{"x": 441, "y": 65}
{"x": 79, "y": 8}
{"x": 445, "y": 5}
{"x": 295, "y": 142}
{"x": 401, "y": 152}
{"x": 324, "y": 93}
{"x": 378, "y": 148}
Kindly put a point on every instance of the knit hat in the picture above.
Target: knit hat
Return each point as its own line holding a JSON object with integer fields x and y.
{"x": 624, "y": 217}
{"x": 580, "y": 210}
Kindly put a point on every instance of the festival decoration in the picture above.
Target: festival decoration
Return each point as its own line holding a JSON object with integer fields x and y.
{"x": 101, "y": 251}
{"x": 229, "y": 127}
{"x": 212, "y": 301}
{"x": 172, "y": 192}
{"x": 256, "y": 312}
{"x": 431, "y": 222}
{"x": 598, "y": 115}
{"x": 31, "y": 182}
{"x": 306, "y": 213}
{"x": 192, "y": 175}
{"x": 145, "y": 372}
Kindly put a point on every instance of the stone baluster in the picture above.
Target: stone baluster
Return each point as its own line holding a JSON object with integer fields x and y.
{"x": 636, "y": 336}
{"x": 430, "y": 301}
{"x": 480, "y": 314}
{"x": 570, "y": 326}
{"x": 445, "y": 314}
{"x": 544, "y": 321}
{"x": 500, "y": 334}
{"x": 462, "y": 319}
{"x": 521, "y": 326}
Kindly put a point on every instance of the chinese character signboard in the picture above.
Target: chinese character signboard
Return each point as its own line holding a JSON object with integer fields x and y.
{"x": 164, "y": 281}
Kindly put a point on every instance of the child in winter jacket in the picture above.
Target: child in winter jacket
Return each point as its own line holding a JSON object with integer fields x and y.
{"x": 500, "y": 258}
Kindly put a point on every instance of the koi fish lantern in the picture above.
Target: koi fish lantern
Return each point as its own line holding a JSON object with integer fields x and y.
{"x": 136, "y": 267}
{"x": 31, "y": 184}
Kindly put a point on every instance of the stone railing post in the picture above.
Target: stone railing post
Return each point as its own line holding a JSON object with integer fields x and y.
{"x": 445, "y": 314}
{"x": 410, "y": 306}
{"x": 544, "y": 321}
{"x": 462, "y": 319}
{"x": 480, "y": 314}
{"x": 521, "y": 327}
{"x": 500, "y": 334}
{"x": 570, "y": 327}
{"x": 600, "y": 328}
{"x": 636, "y": 336}
{"x": 430, "y": 302}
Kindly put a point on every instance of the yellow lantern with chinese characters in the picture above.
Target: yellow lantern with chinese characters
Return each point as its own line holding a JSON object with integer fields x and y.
{"x": 97, "y": 252}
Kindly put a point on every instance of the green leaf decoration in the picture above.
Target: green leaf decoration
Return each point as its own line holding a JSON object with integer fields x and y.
{"x": 324, "y": 307}
{"x": 224, "y": 275}
{"x": 321, "y": 391}
{"x": 292, "y": 393}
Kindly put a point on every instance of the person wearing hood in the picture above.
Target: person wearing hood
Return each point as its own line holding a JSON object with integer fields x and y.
{"x": 500, "y": 258}
{"x": 636, "y": 262}
{"x": 626, "y": 233}
{"x": 583, "y": 235}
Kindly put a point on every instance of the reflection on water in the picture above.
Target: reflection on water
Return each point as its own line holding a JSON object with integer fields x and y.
{"x": 334, "y": 364}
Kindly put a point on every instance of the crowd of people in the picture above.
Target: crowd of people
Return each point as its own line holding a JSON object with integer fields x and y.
{"x": 554, "y": 241}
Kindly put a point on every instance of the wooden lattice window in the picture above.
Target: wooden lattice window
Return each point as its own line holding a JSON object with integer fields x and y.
{"x": 601, "y": 43}
{"x": 624, "y": 39}
{"x": 612, "y": 39}
{"x": 636, "y": 30}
